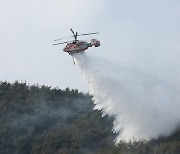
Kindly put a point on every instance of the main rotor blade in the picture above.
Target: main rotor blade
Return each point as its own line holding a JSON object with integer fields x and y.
{"x": 76, "y": 35}
{"x": 66, "y": 37}
{"x": 62, "y": 43}
{"x": 88, "y": 34}
{"x": 63, "y": 38}
{"x": 72, "y": 31}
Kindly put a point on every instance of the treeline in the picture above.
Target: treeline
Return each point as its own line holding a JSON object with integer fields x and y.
{"x": 43, "y": 120}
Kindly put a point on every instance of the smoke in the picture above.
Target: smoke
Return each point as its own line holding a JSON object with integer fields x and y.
{"x": 144, "y": 105}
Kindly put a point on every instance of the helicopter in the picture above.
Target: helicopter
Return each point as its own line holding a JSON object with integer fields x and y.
{"x": 76, "y": 45}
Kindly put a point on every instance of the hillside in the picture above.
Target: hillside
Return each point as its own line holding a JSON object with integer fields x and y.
{"x": 44, "y": 120}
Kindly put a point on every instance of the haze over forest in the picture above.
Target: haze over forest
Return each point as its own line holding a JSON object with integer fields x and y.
{"x": 39, "y": 119}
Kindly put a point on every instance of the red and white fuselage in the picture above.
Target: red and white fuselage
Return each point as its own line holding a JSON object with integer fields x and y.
{"x": 80, "y": 46}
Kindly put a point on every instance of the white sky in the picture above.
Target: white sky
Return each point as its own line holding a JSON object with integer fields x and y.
{"x": 142, "y": 32}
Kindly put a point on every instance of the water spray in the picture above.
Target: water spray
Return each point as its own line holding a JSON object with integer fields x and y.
{"x": 144, "y": 106}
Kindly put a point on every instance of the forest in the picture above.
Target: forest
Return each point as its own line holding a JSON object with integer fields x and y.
{"x": 37, "y": 119}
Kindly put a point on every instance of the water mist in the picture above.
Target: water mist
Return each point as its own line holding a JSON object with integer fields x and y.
{"x": 144, "y": 106}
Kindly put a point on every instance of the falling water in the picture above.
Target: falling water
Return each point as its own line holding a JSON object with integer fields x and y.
{"x": 144, "y": 105}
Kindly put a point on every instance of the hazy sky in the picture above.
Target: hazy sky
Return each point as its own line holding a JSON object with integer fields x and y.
{"x": 142, "y": 33}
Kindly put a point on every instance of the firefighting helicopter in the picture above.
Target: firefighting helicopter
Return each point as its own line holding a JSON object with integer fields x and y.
{"x": 76, "y": 45}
